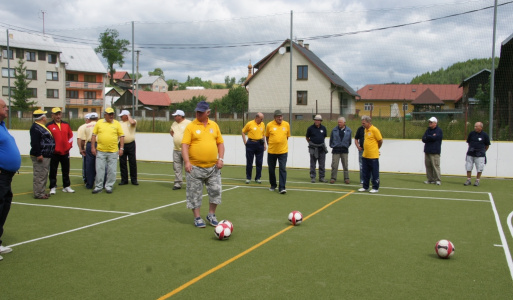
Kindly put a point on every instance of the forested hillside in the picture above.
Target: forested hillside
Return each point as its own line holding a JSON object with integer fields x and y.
{"x": 456, "y": 73}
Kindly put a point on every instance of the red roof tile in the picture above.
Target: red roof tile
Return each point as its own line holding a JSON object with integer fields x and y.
{"x": 410, "y": 92}
{"x": 180, "y": 96}
{"x": 153, "y": 98}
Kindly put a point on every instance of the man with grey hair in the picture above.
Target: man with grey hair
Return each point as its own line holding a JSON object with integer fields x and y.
{"x": 176, "y": 131}
{"x": 370, "y": 156}
{"x": 478, "y": 143}
{"x": 432, "y": 140}
{"x": 340, "y": 140}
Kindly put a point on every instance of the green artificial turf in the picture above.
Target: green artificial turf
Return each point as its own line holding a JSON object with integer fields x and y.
{"x": 140, "y": 242}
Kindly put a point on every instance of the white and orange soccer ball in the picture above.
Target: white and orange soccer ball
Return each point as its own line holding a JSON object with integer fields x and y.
{"x": 222, "y": 231}
{"x": 444, "y": 248}
{"x": 295, "y": 217}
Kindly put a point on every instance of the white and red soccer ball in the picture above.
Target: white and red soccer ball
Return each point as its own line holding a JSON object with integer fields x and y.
{"x": 444, "y": 248}
{"x": 295, "y": 217}
{"x": 223, "y": 230}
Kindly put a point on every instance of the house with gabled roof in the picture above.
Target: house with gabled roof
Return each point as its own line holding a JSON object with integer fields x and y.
{"x": 504, "y": 88}
{"x": 152, "y": 83}
{"x": 471, "y": 83}
{"x": 316, "y": 88}
{"x": 153, "y": 100}
{"x": 396, "y": 100}
{"x": 122, "y": 79}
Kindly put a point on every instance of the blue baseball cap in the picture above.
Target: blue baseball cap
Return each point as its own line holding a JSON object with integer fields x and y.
{"x": 202, "y": 106}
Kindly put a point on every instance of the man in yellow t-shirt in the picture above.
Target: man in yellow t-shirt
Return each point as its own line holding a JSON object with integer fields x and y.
{"x": 128, "y": 124}
{"x": 203, "y": 156}
{"x": 277, "y": 134}
{"x": 255, "y": 146}
{"x": 370, "y": 156}
{"x": 106, "y": 133}
{"x": 176, "y": 131}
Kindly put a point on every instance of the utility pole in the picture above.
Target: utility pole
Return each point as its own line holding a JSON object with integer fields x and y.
{"x": 137, "y": 79}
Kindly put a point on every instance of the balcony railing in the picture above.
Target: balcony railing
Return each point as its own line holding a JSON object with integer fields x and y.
{"x": 84, "y": 102}
{"x": 84, "y": 85}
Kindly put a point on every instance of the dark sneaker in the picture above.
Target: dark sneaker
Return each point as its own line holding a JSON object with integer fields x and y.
{"x": 211, "y": 218}
{"x": 198, "y": 222}
{"x": 96, "y": 191}
{"x": 476, "y": 183}
{"x": 468, "y": 182}
{"x": 283, "y": 191}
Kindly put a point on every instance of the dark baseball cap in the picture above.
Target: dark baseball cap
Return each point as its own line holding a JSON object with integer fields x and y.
{"x": 202, "y": 106}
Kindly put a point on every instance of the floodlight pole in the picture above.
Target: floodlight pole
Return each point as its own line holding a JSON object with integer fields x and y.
{"x": 290, "y": 88}
{"x": 492, "y": 83}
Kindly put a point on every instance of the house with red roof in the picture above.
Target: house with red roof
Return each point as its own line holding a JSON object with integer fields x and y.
{"x": 155, "y": 101}
{"x": 316, "y": 88}
{"x": 210, "y": 95}
{"x": 397, "y": 100}
{"x": 121, "y": 79}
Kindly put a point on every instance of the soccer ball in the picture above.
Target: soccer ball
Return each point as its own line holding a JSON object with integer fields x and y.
{"x": 295, "y": 217}
{"x": 222, "y": 231}
{"x": 230, "y": 224}
{"x": 444, "y": 248}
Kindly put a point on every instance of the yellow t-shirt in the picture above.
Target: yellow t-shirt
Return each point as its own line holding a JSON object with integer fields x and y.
{"x": 178, "y": 130}
{"x": 129, "y": 131}
{"x": 253, "y": 130}
{"x": 107, "y": 135}
{"x": 81, "y": 132}
{"x": 88, "y": 131}
{"x": 370, "y": 146}
{"x": 202, "y": 141}
{"x": 278, "y": 137}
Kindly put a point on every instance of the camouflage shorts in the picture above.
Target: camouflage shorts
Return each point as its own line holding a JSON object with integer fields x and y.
{"x": 211, "y": 177}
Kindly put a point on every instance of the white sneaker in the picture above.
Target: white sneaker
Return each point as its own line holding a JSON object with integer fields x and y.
{"x": 68, "y": 190}
{"x": 362, "y": 190}
{"x": 438, "y": 183}
{"x": 373, "y": 191}
{"x": 5, "y": 249}
{"x": 53, "y": 191}
{"x": 1, "y": 258}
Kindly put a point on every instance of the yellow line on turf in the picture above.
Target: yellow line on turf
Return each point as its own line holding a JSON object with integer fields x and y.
{"x": 222, "y": 265}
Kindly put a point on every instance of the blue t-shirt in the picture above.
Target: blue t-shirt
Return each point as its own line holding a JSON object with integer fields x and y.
{"x": 10, "y": 158}
{"x": 477, "y": 143}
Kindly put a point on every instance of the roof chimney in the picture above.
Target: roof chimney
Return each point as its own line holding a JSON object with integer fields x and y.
{"x": 307, "y": 46}
{"x": 300, "y": 42}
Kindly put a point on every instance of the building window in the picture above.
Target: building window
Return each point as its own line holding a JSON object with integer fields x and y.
{"x": 19, "y": 53}
{"x": 90, "y": 78}
{"x": 41, "y": 55}
{"x": 405, "y": 106}
{"x": 8, "y": 72}
{"x": 52, "y": 58}
{"x": 4, "y": 53}
{"x": 5, "y": 91}
{"x": 302, "y": 97}
{"x": 33, "y": 92}
{"x": 32, "y": 74}
{"x": 368, "y": 106}
{"x": 344, "y": 103}
{"x": 299, "y": 117}
{"x": 302, "y": 72}
{"x": 54, "y": 76}
{"x": 71, "y": 77}
{"x": 72, "y": 94}
{"x": 30, "y": 56}
{"x": 52, "y": 93}
{"x": 90, "y": 95}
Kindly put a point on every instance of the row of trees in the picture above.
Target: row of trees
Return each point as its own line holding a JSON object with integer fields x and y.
{"x": 236, "y": 101}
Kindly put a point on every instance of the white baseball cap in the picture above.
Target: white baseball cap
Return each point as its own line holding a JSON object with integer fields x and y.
{"x": 124, "y": 112}
{"x": 87, "y": 116}
{"x": 93, "y": 115}
{"x": 433, "y": 119}
{"x": 179, "y": 113}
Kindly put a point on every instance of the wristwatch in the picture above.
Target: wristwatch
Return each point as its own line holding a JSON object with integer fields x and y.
{"x": 121, "y": 148}
{"x": 221, "y": 159}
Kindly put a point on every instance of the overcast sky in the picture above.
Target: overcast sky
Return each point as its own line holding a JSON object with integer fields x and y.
{"x": 364, "y": 42}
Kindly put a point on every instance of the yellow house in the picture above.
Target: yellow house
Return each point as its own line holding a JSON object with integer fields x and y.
{"x": 397, "y": 100}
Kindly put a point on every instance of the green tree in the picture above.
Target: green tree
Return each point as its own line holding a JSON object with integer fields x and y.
{"x": 235, "y": 101}
{"x": 171, "y": 84}
{"x": 112, "y": 49}
{"x": 187, "y": 105}
{"x": 242, "y": 80}
{"x": 196, "y": 81}
{"x": 21, "y": 93}
{"x": 157, "y": 72}
{"x": 483, "y": 95}
{"x": 229, "y": 81}
{"x": 455, "y": 73}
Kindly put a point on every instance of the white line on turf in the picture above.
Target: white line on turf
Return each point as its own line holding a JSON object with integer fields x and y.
{"x": 510, "y": 216}
{"x": 502, "y": 236}
{"x": 106, "y": 221}
{"x": 77, "y": 208}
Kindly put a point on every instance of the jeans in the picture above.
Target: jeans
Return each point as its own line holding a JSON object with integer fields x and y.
{"x": 271, "y": 163}
{"x": 107, "y": 160}
{"x": 370, "y": 168}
